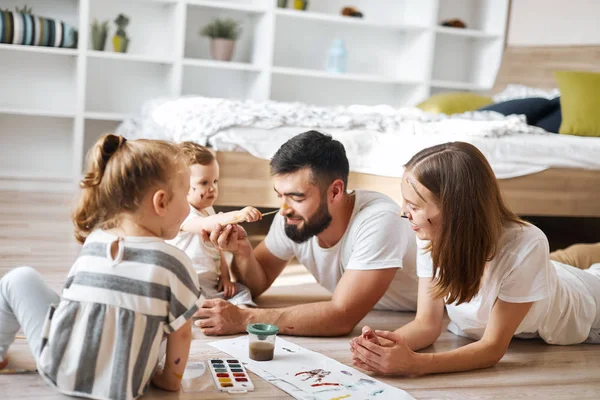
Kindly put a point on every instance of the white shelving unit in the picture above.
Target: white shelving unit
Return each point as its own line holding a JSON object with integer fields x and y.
{"x": 56, "y": 102}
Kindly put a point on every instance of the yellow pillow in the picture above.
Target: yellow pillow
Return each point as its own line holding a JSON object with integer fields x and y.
{"x": 579, "y": 102}
{"x": 454, "y": 102}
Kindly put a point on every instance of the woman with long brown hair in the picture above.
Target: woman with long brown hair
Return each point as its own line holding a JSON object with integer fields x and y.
{"x": 491, "y": 270}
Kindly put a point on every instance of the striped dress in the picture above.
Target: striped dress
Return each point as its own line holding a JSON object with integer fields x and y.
{"x": 103, "y": 339}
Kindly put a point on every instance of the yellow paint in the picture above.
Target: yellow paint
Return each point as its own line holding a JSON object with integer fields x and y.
{"x": 284, "y": 206}
{"x": 224, "y": 380}
{"x": 340, "y": 398}
{"x": 178, "y": 376}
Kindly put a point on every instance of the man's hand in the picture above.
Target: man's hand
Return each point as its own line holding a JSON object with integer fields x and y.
{"x": 219, "y": 317}
{"x": 231, "y": 238}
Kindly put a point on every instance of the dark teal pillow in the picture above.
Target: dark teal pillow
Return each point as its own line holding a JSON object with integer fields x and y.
{"x": 551, "y": 122}
{"x": 534, "y": 108}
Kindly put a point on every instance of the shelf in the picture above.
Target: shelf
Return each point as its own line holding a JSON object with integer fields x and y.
{"x": 230, "y": 65}
{"x": 340, "y": 19}
{"x": 114, "y": 88}
{"x": 348, "y": 77}
{"x": 39, "y": 49}
{"x": 17, "y": 174}
{"x": 104, "y": 116}
{"x": 226, "y": 6}
{"x": 226, "y": 83}
{"x": 36, "y": 112}
{"x": 457, "y": 85}
{"x": 109, "y": 55}
{"x": 165, "y": 2}
{"x": 473, "y": 33}
{"x": 37, "y": 147}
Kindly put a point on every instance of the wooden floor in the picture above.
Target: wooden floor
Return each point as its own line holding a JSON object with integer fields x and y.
{"x": 35, "y": 230}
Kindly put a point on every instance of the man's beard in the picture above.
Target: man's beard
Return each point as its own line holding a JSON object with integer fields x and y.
{"x": 312, "y": 227}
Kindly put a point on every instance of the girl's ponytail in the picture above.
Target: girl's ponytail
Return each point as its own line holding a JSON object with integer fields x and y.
{"x": 88, "y": 212}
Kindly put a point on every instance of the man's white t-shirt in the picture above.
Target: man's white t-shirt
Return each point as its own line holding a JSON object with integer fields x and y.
{"x": 376, "y": 238}
{"x": 205, "y": 258}
{"x": 565, "y": 298}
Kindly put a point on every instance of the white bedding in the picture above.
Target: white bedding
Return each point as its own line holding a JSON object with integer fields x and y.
{"x": 380, "y": 154}
{"x": 378, "y": 140}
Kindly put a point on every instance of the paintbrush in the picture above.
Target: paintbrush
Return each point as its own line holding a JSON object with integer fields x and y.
{"x": 270, "y": 212}
{"x": 17, "y": 371}
{"x": 238, "y": 219}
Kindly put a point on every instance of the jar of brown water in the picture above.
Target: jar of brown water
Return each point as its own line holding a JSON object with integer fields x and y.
{"x": 261, "y": 341}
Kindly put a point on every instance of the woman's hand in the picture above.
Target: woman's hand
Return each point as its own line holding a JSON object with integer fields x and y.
{"x": 384, "y": 352}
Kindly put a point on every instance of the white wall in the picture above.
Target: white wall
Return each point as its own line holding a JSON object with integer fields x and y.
{"x": 554, "y": 22}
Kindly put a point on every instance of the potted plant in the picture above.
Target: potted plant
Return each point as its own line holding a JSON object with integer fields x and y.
{"x": 301, "y": 4}
{"x": 120, "y": 39}
{"x": 99, "y": 34}
{"x": 222, "y": 33}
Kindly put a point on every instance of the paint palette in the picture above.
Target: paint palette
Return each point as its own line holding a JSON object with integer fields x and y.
{"x": 229, "y": 375}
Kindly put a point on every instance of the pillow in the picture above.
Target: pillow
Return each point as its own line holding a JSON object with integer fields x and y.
{"x": 27, "y": 29}
{"x": 514, "y": 91}
{"x": 534, "y": 108}
{"x": 580, "y": 102}
{"x": 454, "y": 102}
{"x": 551, "y": 122}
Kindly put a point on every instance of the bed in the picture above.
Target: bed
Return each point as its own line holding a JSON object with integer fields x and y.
{"x": 567, "y": 187}
{"x": 569, "y": 192}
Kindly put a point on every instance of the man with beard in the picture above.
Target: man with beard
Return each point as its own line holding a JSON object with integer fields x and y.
{"x": 354, "y": 243}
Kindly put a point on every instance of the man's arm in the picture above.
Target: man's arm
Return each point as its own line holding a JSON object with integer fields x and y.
{"x": 356, "y": 294}
{"x": 258, "y": 268}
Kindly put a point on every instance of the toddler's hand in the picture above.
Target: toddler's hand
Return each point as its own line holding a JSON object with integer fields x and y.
{"x": 250, "y": 214}
{"x": 229, "y": 288}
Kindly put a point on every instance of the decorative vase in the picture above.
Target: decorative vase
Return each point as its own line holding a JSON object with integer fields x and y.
{"x": 222, "y": 49}
{"x": 282, "y": 3}
{"x": 337, "y": 58}
{"x": 120, "y": 44}
{"x": 300, "y": 4}
{"x": 99, "y": 40}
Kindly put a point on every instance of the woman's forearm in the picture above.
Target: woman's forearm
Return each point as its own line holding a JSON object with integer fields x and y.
{"x": 419, "y": 335}
{"x": 476, "y": 355}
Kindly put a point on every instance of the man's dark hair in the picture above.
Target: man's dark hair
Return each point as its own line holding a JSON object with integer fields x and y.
{"x": 325, "y": 157}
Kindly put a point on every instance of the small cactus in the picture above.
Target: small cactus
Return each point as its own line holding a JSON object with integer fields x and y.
{"x": 122, "y": 21}
{"x": 99, "y": 34}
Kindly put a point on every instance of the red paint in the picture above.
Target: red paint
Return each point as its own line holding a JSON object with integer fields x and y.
{"x": 237, "y": 374}
{"x": 177, "y": 361}
{"x": 241, "y": 380}
{"x": 222, "y": 375}
{"x": 325, "y": 384}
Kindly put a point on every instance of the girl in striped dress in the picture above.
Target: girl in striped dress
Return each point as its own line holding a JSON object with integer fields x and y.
{"x": 127, "y": 289}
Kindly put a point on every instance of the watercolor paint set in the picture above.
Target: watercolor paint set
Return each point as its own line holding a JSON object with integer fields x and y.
{"x": 229, "y": 375}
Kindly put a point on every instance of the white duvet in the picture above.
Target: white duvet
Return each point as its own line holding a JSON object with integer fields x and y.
{"x": 378, "y": 140}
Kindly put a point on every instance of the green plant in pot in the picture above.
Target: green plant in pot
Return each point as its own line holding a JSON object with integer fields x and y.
{"x": 120, "y": 39}
{"x": 99, "y": 34}
{"x": 222, "y": 33}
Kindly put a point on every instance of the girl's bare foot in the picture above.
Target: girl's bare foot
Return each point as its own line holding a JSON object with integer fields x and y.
{"x": 4, "y": 363}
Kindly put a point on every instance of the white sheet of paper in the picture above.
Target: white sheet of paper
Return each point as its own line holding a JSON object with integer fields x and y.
{"x": 307, "y": 375}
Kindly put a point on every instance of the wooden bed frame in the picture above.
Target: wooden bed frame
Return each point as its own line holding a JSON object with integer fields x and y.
{"x": 245, "y": 180}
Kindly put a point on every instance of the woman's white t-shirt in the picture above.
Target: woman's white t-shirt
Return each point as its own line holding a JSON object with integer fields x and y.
{"x": 566, "y": 299}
